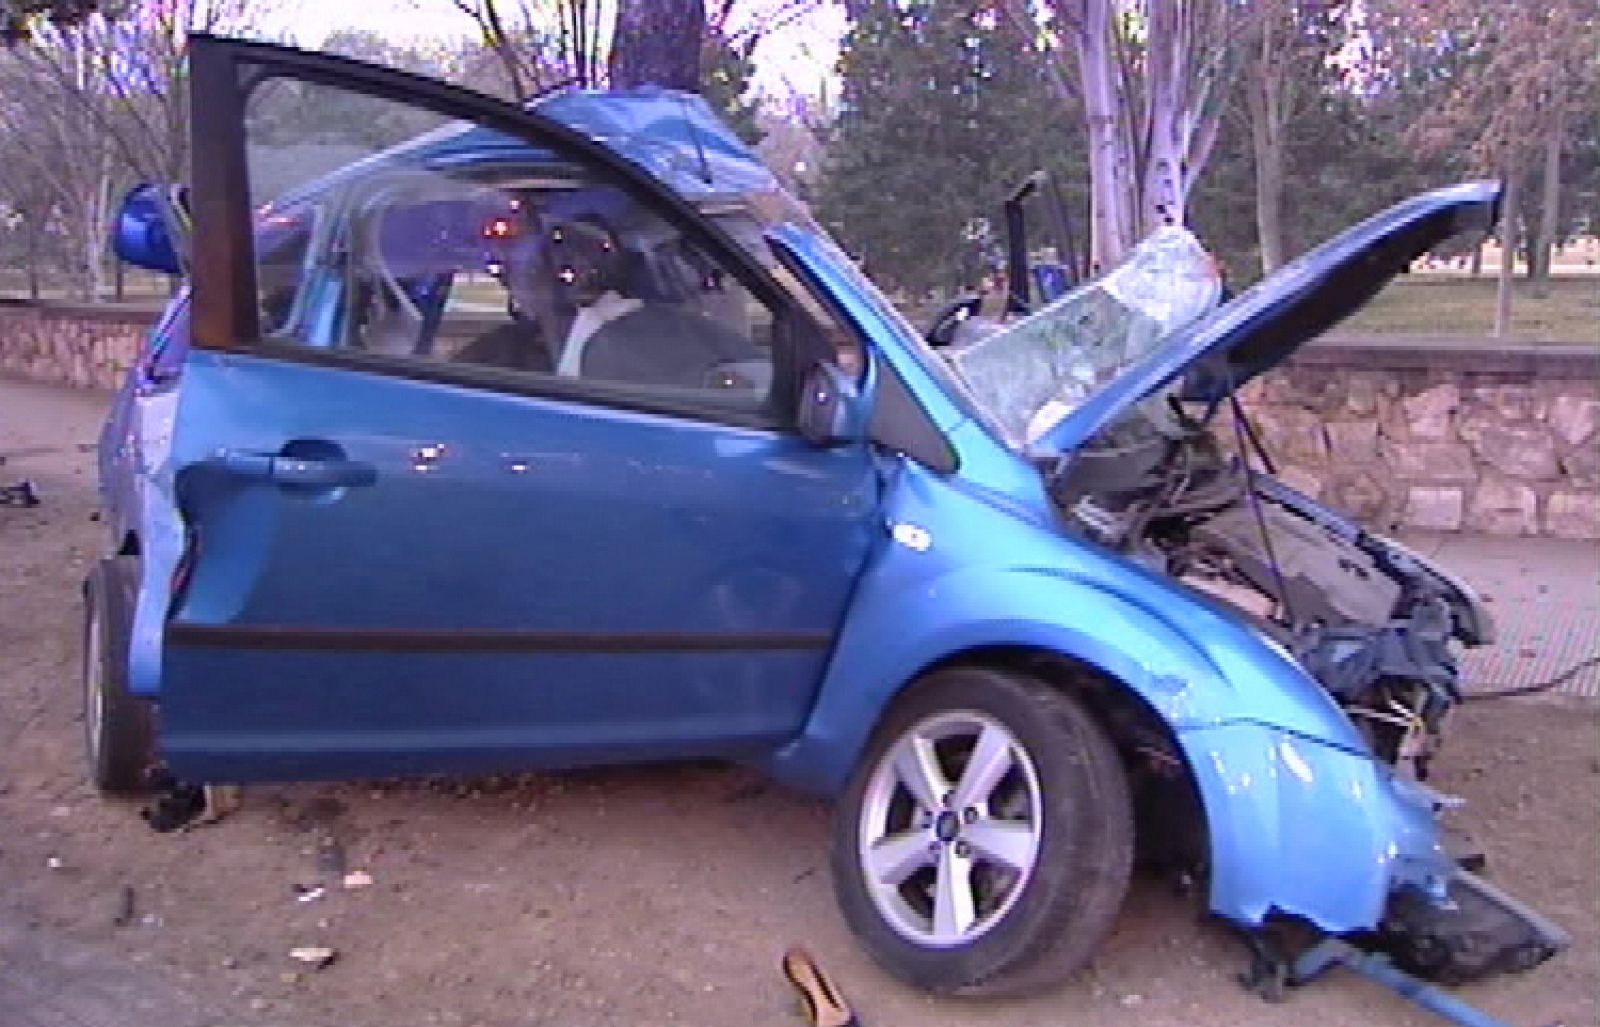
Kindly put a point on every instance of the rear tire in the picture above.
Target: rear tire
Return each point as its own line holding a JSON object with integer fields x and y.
{"x": 1001, "y": 798}
{"x": 118, "y": 726}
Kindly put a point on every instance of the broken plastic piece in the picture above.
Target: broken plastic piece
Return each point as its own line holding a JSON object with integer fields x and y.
{"x": 24, "y": 493}
{"x": 315, "y": 956}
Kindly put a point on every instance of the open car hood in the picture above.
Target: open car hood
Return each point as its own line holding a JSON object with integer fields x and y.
{"x": 1260, "y": 328}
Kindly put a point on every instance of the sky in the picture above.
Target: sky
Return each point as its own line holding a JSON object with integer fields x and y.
{"x": 797, "y": 58}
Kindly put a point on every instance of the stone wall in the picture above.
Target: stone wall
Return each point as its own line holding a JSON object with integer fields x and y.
{"x": 1477, "y": 438}
{"x": 88, "y": 347}
{"x": 1427, "y": 434}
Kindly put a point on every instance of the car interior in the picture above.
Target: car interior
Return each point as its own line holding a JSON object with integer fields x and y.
{"x": 527, "y": 271}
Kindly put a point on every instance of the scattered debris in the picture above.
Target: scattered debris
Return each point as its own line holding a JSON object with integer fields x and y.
{"x": 176, "y": 805}
{"x": 357, "y": 879}
{"x": 220, "y": 801}
{"x": 122, "y": 912}
{"x": 312, "y": 893}
{"x": 314, "y": 956}
{"x": 330, "y": 856}
{"x": 24, "y": 493}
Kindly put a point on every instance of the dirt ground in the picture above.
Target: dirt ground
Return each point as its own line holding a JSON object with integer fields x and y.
{"x": 637, "y": 897}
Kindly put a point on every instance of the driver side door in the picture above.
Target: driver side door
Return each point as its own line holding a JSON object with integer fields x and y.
{"x": 407, "y": 558}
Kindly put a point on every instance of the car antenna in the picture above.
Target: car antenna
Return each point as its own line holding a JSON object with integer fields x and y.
{"x": 699, "y": 144}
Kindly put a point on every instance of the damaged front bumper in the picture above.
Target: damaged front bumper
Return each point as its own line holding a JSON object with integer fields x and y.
{"x": 1304, "y": 829}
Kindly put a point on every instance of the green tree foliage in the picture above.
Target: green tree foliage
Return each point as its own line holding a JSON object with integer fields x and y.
{"x": 725, "y": 70}
{"x": 1345, "y": 157}
{"x": 945, "y": 107}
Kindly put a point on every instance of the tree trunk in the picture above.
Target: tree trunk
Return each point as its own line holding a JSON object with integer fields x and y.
{"x": 33, "y": 260}
{"x": 1263, "y": 94}
{"x": 1550, "y": 205}
{"x": 1508, "y": 253}
{"x": 658, "y": 42}
{"x": 1110, "y": 199}
{"x": 1165, "y": 187}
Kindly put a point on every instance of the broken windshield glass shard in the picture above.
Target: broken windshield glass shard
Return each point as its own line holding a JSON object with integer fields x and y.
{"x": 1030, "y": 374}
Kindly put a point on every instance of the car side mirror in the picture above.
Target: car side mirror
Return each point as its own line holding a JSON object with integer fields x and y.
{"x": 942, "y": 332}
{"x": 831, "y": 410}
{"x": 143, "y": 232}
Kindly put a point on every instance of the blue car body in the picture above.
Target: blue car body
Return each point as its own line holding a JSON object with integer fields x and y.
{"x": 812, "y": 584}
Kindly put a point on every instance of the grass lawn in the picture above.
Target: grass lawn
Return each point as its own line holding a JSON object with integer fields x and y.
{"x": 1463, "y": 306}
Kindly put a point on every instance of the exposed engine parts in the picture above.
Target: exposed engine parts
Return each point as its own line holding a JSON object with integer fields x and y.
{"x": 1368, "y": 620}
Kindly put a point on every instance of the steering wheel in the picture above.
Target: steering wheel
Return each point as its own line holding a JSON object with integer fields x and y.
{"x": 953, "y": 315}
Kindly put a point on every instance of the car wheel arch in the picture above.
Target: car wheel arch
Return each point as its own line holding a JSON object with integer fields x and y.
{"x": 1129, "y": 719}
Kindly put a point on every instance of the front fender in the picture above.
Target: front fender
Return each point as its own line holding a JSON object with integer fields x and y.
{"x": 987, "y": 576}
{"x": 1307, "y": 829}
{"x": 1301, "y": 818}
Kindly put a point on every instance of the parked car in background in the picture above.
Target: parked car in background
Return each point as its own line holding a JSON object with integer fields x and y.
{"x": 486, "y": 439}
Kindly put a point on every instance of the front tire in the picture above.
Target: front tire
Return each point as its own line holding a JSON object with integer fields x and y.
{"x": 117, "y": 725}
{"x": 985, "y": 842}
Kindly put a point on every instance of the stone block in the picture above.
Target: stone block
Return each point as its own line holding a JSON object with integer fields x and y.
{"x": 1574, "y": 419}
{"x": 1298, "y": 386}
{"x": 1292, "y": 434}
{"x": 1428, "y": 414}
{"x": 1302, "y": 480}
{"x": 1502, "y": 507}
{"x": 1354, "y": 442}
{"x": 1474, "y": 421}
{"x": 1581, "y": 465}
{"x": 1573, "y": 515}
{"x": 1362, "y": 496}
{"x": 1512, "y": 402}
{"x": 1438, "y": 508}
{"x": 1364, "y": 392}
{"x": 1431, "y": 463}
{"x": 1520, "y": 451}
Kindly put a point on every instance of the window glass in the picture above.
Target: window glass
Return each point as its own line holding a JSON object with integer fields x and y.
{"x": 385, "y": 234}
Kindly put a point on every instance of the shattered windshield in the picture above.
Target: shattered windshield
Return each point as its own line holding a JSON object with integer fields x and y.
{"x": 1030, "y": 374}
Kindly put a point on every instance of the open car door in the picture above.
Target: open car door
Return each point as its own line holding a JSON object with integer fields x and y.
{"x": 425, "y": 533}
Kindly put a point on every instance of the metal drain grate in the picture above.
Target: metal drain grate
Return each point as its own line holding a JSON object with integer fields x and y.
{"x": 1545, "y": 596}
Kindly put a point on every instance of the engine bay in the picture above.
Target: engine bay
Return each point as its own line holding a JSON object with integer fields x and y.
{"x": 1369, "y": 620}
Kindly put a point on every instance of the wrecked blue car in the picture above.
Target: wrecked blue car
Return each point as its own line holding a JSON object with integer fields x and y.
{"x": 488, "y": 439}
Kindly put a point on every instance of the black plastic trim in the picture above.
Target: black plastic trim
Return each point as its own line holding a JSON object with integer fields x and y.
{"x": 899, "y": 423}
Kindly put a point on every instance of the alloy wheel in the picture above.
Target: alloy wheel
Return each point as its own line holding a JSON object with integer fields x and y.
{"x": 950, "y": 828}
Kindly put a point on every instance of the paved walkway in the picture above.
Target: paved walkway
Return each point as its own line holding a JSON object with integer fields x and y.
{"x": 1545, "y": 594}
{"x": 47, "y": 981}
